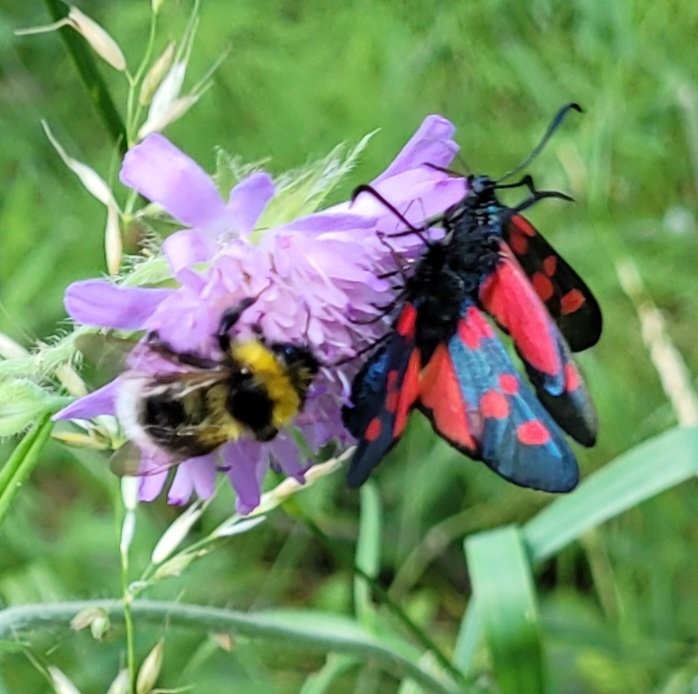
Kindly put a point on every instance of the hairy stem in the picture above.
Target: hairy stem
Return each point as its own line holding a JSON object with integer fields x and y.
{"x": 23, "y": 618}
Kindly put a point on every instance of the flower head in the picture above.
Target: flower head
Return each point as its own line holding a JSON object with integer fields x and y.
{"x": 315, "y": 280}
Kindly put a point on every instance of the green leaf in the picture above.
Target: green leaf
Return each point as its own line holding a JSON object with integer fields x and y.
{"x": 503, "y": 587}
{"x": 367, "y": 553}
{"x": 23, "y": 460}
{"x": 633, "y": 477}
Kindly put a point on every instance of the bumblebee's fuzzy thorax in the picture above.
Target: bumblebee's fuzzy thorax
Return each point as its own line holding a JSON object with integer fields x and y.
{"x": 272, "y": 377}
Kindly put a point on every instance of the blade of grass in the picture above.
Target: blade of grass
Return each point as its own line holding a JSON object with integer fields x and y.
{"x": 502, "y": 585}
{"x": 421, "y": 636}
{"x": 23, "y": 460}
{"x": 633, "y": 477}
{"x": 96, "y": 87}
{"x": 322, "y": 680}
{"x": 367, "y": 554}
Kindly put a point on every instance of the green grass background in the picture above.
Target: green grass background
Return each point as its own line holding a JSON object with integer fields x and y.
{"x": 619, "y": 608}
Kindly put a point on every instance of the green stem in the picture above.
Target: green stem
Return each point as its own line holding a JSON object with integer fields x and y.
{"x": 420, "y": 635}
{"x": 96, "y": 87}
{"x": 22, "y": 462}
{"x": 133, "y": 110}
{"x": 126, "y": 605}
{"x": 15, "y": 620}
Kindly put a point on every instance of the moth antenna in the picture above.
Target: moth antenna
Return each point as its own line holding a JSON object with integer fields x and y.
{"x": 554, "y": 125}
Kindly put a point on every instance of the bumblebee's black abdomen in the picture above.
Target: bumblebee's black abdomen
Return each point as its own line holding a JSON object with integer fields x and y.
{"x": 250, "y": 404}
{"x": 163, "y": 412}
{"x": 171, "y": 423}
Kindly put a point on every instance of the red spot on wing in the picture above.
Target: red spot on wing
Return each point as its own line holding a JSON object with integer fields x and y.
{"x": 571, "y": 302}
{"x": 408, "y": 393}
{"x": 572, "y": 378}
{"x": 543, "y": 286}
{"x": 473, "y": 328}
{"x": 522, "y": 225}
{"x": 509, "y": 383}
{"x": 441, "y": 394}
{"x": 392, "y": 391}
{"x": 518, "y": 242}
{"x": 494, "y": 405}
{"x": 550, "y": 265}
{"x": 407, "y": 320}
{"x": 373, "y": 430}
{"x": 533, "y": 433}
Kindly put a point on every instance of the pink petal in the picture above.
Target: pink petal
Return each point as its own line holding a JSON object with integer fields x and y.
{"x": 203, "y": 474}
{"x": 187, "y": 247}
{"x": 164, "y": 174}
{"x": 100, "y": 401}
{"x": 103, "y": 304}
{"x": 431, "y": 144}
{"x": 337, "y": 220}
{"x": 248, "y": 199}
{"x": 244, "y": 466}
{"x": 182, "y": 486}
{"x": 151, "y": 485}
{"x": 285, "y": 452}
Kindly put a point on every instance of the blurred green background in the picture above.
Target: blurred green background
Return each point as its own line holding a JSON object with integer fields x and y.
{"x": 619, "y": 608}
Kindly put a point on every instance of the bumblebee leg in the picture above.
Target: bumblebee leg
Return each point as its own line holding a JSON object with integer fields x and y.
{"x": 231, "y": 316}
{"x": 161, "y": 348}
{"x": 228, "y": 320}
{"x": 266, "y": 434}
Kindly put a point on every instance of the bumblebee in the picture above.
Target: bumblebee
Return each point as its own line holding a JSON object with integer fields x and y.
{"x": 253, "y": 389}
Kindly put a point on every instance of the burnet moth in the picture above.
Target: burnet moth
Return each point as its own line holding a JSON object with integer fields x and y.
{"x": 443, "y": 357}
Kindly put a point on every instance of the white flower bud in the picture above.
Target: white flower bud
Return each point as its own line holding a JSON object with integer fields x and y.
{"x": 121, "y": 684}
{"x": 100, "y": 41}
{"x": 173, "y": 536}
{"x": 155, "y": 75}
{"x": 96, "y": 618}
{"x": 150, "y": 670}
{"x": 61, "y": 683}
{"x": 90, "y": 179}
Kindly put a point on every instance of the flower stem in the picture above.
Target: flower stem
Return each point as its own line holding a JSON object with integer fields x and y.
{"x": 24, "y": 618}
{"x": 129, "y": 499}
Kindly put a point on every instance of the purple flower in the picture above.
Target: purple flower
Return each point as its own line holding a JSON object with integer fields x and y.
{"x": 314, "y": 278}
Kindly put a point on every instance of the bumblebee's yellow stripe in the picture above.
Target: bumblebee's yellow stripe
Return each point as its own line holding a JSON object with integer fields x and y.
{"x": 272, "y": 374}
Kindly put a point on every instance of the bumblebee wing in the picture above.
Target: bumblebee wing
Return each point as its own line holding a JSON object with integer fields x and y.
{"x": 383, "y": 394}
{"x": 476, "y": 400}
{"x": 564, "y": 293}
{"x": 128, "y": 461}
{"x": 107, "y": 352}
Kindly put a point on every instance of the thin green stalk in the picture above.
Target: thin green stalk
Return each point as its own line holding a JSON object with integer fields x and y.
{"x": 420, "y": 635}
{"x": 133, "y": 110}
{"x": 22, "y": 462}
{"x": 15, "y": 620}
{"x": 127, "y": 605}
{"x": 127, "y": 597}
{"x": 96, "y": 86}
